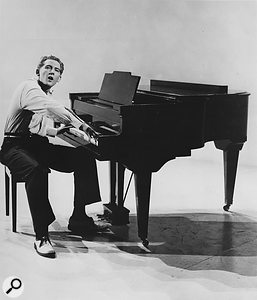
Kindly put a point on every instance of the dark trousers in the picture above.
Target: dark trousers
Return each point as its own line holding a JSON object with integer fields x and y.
{"x": 31, "y": 157}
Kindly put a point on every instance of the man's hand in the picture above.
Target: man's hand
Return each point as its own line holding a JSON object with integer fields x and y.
{"x": 89, "y": 130}
{"x": 63, "y": 128}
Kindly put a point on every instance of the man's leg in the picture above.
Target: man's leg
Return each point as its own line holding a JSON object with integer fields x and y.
{"x": 21, "y": 162}
{"x": 37, "y": 193}
{"x": 86, "y": 185}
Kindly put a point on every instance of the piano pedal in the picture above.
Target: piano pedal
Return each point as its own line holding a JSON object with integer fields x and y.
{"x": 104, "y": 217}
{"x": 118, "y": 215}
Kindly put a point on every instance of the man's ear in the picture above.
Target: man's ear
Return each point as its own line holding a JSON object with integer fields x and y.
{"x": 59, "y": 78}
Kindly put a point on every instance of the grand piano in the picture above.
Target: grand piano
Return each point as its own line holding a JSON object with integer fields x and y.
{"x": 142, "y": 129}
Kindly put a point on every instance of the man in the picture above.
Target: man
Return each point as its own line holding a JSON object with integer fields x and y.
{"x": 26, "y": 151}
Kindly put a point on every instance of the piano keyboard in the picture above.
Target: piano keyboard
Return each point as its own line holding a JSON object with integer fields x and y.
{"x": 109, "y": 129}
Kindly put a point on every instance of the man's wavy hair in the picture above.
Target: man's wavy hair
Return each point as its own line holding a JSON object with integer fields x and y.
{"x": 44, "y": 58}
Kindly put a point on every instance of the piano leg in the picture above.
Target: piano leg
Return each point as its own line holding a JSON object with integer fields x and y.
{"x": 120, "y": 184}
{"x": 109, "y": 207}
{"x": 112, "y": 182}
{"x": 230, "y": 158}
{"x": 142, "y": 190}
{"x": 115, "y": 210}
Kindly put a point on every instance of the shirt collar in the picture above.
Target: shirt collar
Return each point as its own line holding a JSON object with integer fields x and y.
{"x": 45, "y": 88}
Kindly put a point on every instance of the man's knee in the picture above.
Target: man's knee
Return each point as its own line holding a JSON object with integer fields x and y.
{"x": 37, "y": 168}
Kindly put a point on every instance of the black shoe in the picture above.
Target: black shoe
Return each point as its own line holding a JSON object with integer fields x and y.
{"x": 44, "y": 247}
{"x": 86, "y": 227}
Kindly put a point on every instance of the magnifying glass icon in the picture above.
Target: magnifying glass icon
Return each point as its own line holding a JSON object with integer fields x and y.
{"x": 15, "y": 284}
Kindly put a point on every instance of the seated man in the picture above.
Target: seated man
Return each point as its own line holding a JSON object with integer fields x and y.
{"x": 26, "y": 151}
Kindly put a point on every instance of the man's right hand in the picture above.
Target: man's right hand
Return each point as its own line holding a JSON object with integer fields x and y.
{"x": 63, "y": 128}
{"x": 88, "y": 130}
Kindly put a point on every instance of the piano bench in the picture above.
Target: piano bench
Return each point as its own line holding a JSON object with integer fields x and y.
{"x": 13, "y": 179}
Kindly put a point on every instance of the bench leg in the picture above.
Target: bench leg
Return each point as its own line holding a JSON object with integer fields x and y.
{"x": 14, "y": 205}
{"x": 7, "y": 194}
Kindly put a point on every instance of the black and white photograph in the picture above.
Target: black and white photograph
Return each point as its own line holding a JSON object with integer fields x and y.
{"x": 128, "y": 149}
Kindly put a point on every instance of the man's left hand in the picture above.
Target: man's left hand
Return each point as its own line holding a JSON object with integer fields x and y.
{"x": 63, "y": 128}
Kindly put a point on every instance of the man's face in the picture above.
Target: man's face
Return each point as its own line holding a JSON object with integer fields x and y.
{"x": 50, "y": 72}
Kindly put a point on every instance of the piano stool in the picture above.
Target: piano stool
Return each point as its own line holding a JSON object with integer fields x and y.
{"x": 14, "y": 179}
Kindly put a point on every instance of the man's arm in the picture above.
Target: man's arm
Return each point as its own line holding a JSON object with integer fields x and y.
{"x": 35, "y": 100}
{"x": 88, "y": 130}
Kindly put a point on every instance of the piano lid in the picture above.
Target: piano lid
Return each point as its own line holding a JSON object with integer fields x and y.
{"x": 193, "y": 88}
{"x": 176, "y": 88}
{"x": 119, "y": 87}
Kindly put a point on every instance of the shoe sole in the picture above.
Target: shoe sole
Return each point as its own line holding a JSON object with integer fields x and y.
{"x": 48, "y": 255}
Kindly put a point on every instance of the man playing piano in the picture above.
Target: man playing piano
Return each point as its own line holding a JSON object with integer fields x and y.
{"x": 27, "y": 151}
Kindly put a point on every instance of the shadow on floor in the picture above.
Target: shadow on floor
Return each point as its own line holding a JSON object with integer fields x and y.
{"x": 195, "y": 241}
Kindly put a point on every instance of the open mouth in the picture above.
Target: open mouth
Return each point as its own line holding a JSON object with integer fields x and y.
{"x": 50, "y": 78}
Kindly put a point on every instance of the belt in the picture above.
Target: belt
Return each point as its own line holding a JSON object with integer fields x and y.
{"x": 12, "y": 136}
{"x": 16, "y": 136}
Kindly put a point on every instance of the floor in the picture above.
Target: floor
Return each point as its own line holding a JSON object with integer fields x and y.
{"x": 197, "y": 250}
